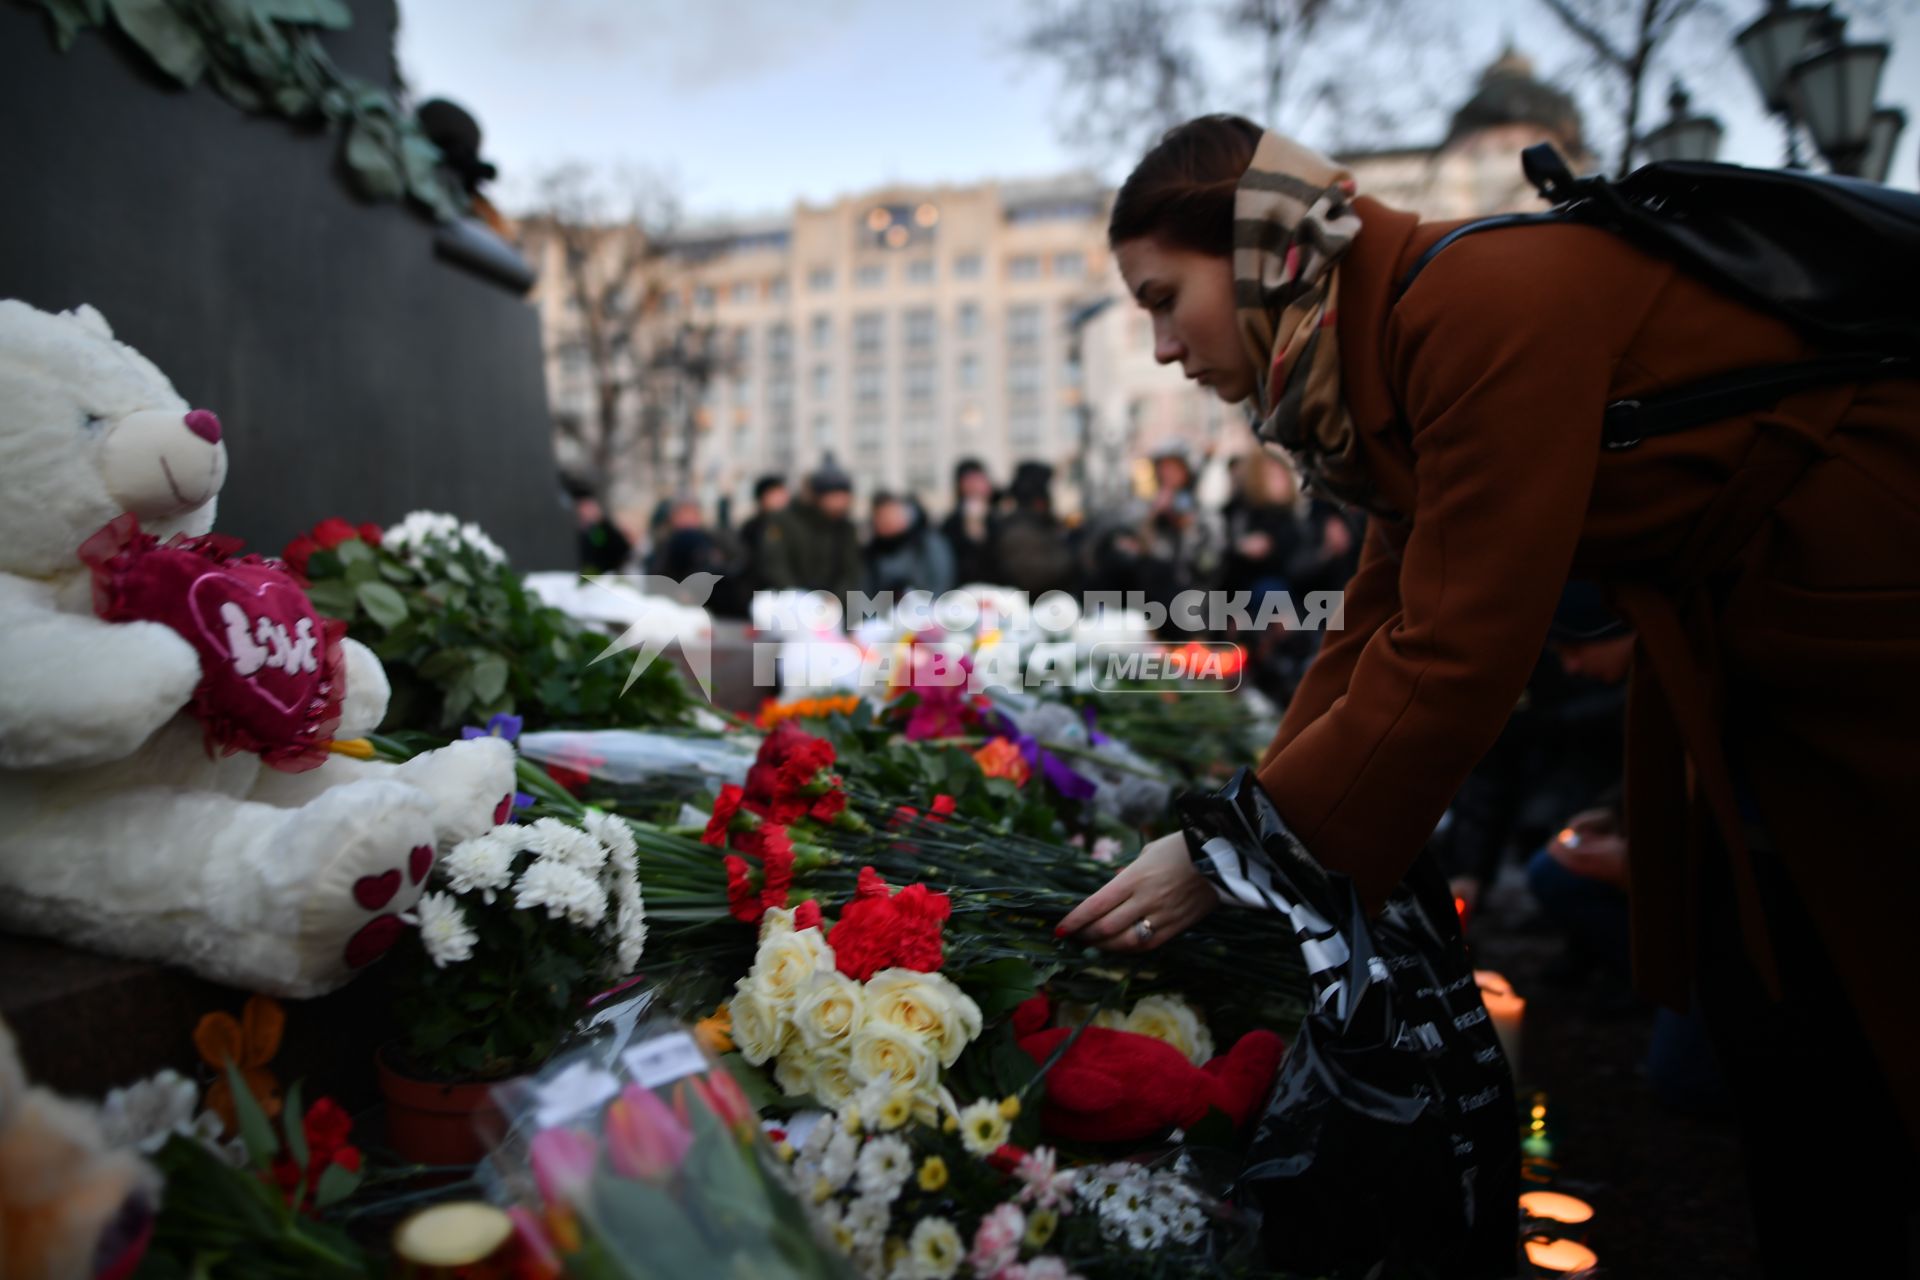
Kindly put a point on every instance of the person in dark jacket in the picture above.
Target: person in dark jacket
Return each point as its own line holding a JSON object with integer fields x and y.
{"x": 905, "y": 553}
{"x": 1032, "y": 545}
{"x": 812, "y": 545}
{"x": 972, "y": 525}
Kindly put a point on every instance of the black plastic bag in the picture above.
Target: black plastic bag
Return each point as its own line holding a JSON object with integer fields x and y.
{"x": 1391, "y": 1144}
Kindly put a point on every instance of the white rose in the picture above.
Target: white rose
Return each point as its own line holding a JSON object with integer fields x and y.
{"x": 759, "y": 1031}
{"x": 829, "y": 1010}
{"x": 785, "y": 966}
{"x": 832, "y": 1077}
{"x": 927, "y": 1005}
{"x": 793, "y": 1071}
{"x": 879, "y": 1049}
{"x": 1169, "y": 1018}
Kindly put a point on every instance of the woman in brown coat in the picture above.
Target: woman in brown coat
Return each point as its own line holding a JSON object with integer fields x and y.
{"x": 1770, "y": 564}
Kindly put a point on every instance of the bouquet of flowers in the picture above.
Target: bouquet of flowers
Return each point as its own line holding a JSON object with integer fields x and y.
{"x": 461, "y": 636}
{"x": 519, "y": 927}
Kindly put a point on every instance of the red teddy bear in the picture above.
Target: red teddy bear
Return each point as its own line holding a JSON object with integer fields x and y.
{"x": 1120, "y": 1086}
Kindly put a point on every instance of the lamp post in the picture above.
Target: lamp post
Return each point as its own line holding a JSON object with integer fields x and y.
{"x": 1810, "y": 76}
{"x": 1684, "y": 136}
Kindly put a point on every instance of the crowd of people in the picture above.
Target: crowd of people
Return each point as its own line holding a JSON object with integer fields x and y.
{"x": 1266, "y": 537}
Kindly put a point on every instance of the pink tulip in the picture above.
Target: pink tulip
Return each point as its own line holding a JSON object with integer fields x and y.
{"x": 725, "y": 1098}
{"x": 644, "y": 1138}
{"x": 563, "y": 1161}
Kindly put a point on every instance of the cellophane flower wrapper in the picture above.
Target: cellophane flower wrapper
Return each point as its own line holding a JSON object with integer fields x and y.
{"x": 637, "y": 1156}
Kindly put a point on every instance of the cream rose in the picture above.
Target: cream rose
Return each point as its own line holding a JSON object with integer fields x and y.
{"x": 759, "y": 1031}
{"x": 926, "y": 1005}
{"x": 832, "y": 1079}
{"x": 785, "y": 966}
{"x": 793, "y": 1071}
{"x": 879, "y": 1049}
{"x": 1173, "y": 1020}
{"x": 829, "y": 1010}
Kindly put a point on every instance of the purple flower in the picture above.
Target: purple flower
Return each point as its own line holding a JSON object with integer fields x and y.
{"x": 1067, "y": 780}
{"x": 500, "y": 726}
{"x": 522, "y": 800}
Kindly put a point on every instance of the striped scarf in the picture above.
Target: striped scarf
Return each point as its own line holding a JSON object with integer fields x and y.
{"x": 1293, "y": 221}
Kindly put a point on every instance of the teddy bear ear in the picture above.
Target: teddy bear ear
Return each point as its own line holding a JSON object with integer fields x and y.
{"x": 92, "y": 321}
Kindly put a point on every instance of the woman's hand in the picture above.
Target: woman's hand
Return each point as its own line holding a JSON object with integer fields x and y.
{"x": 1161, "y": 887}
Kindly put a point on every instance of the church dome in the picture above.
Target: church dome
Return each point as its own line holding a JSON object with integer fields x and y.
{"x": 1508, "y": 94}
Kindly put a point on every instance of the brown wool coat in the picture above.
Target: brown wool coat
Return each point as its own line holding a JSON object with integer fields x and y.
{"x": 1790, "y": 618}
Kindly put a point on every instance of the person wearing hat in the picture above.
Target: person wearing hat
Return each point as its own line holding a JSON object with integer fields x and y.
{"x": 1032, "y": 548}
{"x": 971, "y": 526}
{"x": 812, "y": 544}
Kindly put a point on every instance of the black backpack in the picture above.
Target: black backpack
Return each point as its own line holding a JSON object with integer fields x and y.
{"x": 1836, "y": 257}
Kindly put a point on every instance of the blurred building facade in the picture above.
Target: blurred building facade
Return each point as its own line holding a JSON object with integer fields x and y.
{"x": 905, "y": 328}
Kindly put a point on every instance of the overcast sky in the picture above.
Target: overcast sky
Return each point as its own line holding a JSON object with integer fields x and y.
{"x": 744, "y": 106}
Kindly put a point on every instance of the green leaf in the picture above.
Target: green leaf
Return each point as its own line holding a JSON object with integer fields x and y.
{"x": 164, "y": 35}
{"x": 295, "y": 1125}
{"x": 443, "y": 664}
{"x": 371, "y": 162}
{"x": 353, "y": 551}
{"x": 999, "y": 986}
{"x": 330, "y": 14}
{"x": 69, "y": 20}
{"x": 490, "y": 677}
{"x": 334, "y": 597}
{"x": 382, "y": 603}
{"x": 336, "y": 1184}
{"x": 256, "y": 1131}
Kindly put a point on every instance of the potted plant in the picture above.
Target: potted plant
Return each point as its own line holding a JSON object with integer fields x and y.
{"x": 519, "y": 928}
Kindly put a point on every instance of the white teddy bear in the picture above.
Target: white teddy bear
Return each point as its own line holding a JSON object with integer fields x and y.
{"x": 121, "y": 830}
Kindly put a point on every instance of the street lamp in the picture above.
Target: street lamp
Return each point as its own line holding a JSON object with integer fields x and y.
{"x": 1684, "y": 136}
{"x": 1808, "y": 75}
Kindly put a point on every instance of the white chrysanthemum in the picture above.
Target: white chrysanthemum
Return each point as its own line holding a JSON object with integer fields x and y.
{"x": 869, "y": 1217}
{"x": 837, "y": 1165}
{"x": 632, "y": 943}
{"x": 616, "y": 835}
{"x": 554, "y": 839}
{"x": 423, "y": 533}
{"x": 563, "y": 890}
{"x": 444, "y": 931}
{"x": 1146, "y": 1231}
{"x": 885, "y": 1165}
{"x": 145, "y": 1114}
{"x": 1188, "y": 1224}
{"x": 484, "y": 863}
{"x": 934, "y": 1249}
{"x": 984, "y": 1128}
{"x": 473, "y": 536}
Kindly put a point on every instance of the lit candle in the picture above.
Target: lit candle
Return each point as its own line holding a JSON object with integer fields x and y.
{"x": 1506, "y": 1009}
{"x": 1561, "y": 1257}
{"x": 1555, "y": 1206}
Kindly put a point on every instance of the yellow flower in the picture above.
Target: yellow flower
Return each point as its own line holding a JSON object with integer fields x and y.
{"x": 933, "y": 1174}
{"x": 983, "y": 1130}
{"x": 950, "y": 1124}
{"x": 850, "y": 1120}
{"x": 1010, "y": 1107}
{"x": 715, "y": 1033}
{"x": 1041, "y": 1224}
{"x": 357, "y": 748}
{"x": 786, "y": 1152}
{"x": 896, "y": 1111}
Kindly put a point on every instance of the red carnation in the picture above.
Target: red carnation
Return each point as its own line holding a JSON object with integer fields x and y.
{"x": 774, "y": 848}
{"x": 327, "y": 1126}
{"x": 725, "y": 807}
{"x": 881, "y": 930}
{"x": 807, "y": 915}
{"x": 743, "y": 901}
{"x": 804, "y": 764}
{"x": 370, "y": 534}
{"x": 829, "y": 806}
{"x": 941, "y": 807}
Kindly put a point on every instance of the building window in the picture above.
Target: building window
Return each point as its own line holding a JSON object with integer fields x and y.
{"x": 820, "y": 279}
{"x": 820, "y": 333}
{"x": 919, "y": 381}
{"x": 743, "y": 291}
{"x": 967, "y": 267}
{"x": 920, "y": 328}
{"x": 703, "y": 297}
{"x": 869, "y": 332}
{"x": 777, "y": 289}
{"x": 779, "y": 343}
{"x": 970, "y": 372}
{"x": 780, "y": 395}
{"x": 1069, "y": 266}
{"x": 1023, "y": 266}
{"x": 822, "y": 381}
{"x": 920, "y": 271}
{"x": 740, "y": 350}
{"x": 1023, "y": 433}
{"x": 870, "y": 437}
{"x": 869, "y": 385}
{"x": 871, "y": 276}
{"x": 1024, "y": 378}
{"x": 967, "y": 320}
{"x": 1023, "y": 326}
{"x": 822, "y": 431}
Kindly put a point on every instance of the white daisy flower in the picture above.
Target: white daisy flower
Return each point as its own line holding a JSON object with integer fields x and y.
{"x": 484, "y": 863}
{"x": 837, "y": 1164}
{"x": 867, "y": 1220}
{"x": 935, "y": 1250}
{"x": 145, "y": 1114}
{"x": 884, "y": 1166}
{"x": 444, "y": 930}
{"x": 563, "y": 890}
{"x": 1146, "y": 1231}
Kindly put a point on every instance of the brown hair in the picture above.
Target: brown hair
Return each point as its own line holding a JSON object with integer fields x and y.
{"x": 1182, "y": 191}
